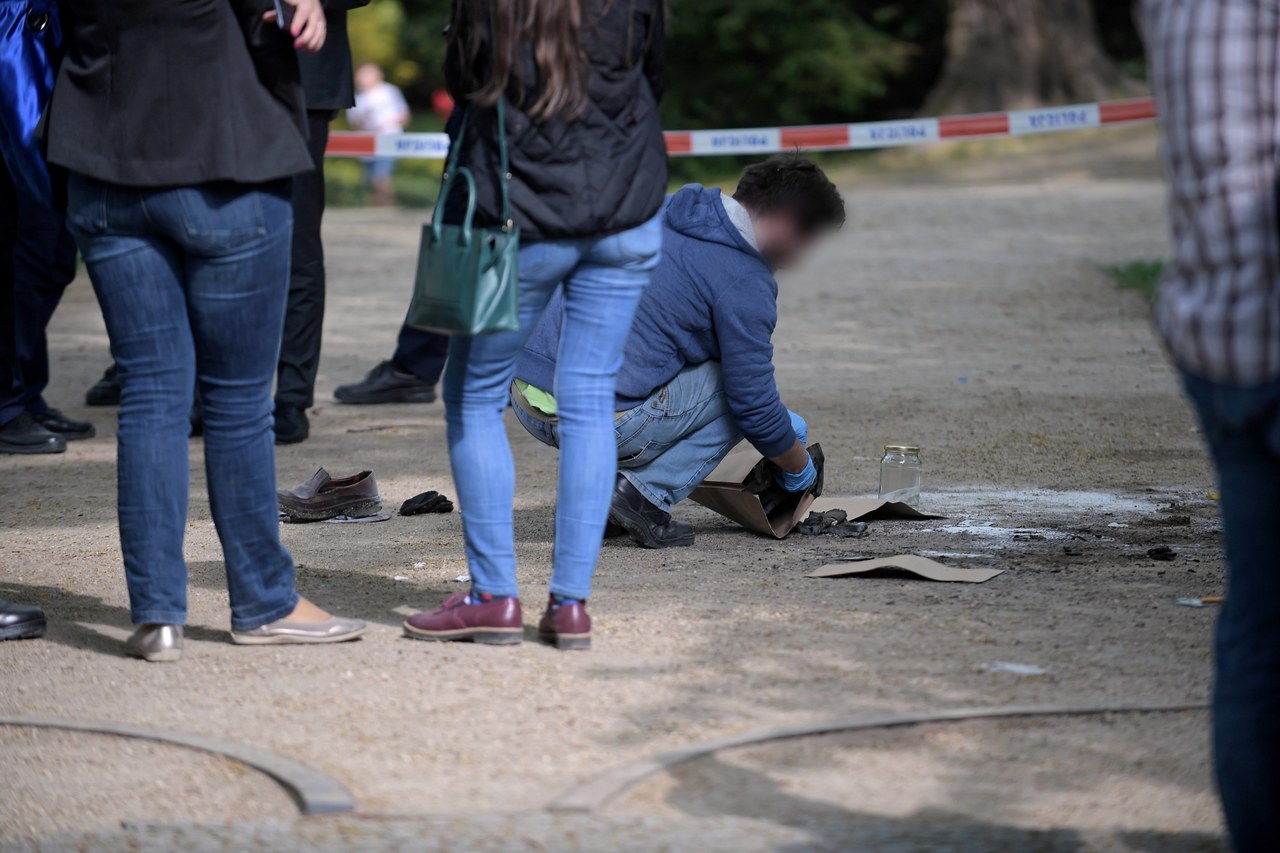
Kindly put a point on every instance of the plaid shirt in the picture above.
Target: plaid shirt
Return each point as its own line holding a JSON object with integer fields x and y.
{"x": 1216, "y": 72}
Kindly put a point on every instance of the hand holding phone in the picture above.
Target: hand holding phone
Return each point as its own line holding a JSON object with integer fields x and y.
{"x": 284, "y": 14}
{"x": 302, "y": 19}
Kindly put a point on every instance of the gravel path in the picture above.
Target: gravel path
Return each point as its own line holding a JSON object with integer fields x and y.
{"x": 963, "y": 308}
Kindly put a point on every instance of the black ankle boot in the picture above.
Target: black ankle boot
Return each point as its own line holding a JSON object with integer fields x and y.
{"x": 646, "y": 524}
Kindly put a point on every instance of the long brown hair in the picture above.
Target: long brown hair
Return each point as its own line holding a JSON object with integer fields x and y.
{"x": 552, "y": 27}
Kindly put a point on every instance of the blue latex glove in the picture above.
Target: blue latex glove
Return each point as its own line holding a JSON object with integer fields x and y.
{"x": 802, "y": 429}
{"x": 801, "y": 482}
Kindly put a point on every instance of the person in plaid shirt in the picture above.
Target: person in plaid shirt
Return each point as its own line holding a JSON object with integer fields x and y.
{"x": 1215, "y": 67}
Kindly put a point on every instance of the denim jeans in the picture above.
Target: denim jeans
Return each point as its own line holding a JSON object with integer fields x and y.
{"x": 603, "y": 279}
{"x": 668, "y": 444}
{"x": 1242, "y": 427}
{"x": 192, "y": 283}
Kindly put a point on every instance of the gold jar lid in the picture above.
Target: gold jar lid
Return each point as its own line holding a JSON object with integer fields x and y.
{"x": 900, "y": 448}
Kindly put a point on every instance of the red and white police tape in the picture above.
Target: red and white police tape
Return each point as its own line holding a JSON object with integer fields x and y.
{"x": 826, "y": 137}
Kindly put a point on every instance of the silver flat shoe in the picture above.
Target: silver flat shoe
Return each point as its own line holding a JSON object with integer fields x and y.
{"x": 285, "y": 631}
{"x": 155, "y": 643}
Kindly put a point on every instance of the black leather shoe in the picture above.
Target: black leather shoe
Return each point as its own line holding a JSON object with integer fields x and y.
{"x": 646, "y": 524}
{"x": 386, "y": 384}
{"x": 20, "y": 621}
{"x": 291, "y": 425}
{"x": 61, "y": 425}
{"x": 24, "y": 435}
{"x": 106, "y": 391}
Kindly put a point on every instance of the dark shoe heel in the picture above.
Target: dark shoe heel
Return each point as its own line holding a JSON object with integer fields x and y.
{"x": 567, "y": 644}
{"x": 498, "y": 638}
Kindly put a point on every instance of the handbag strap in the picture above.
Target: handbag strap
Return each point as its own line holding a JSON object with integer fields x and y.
{"x": 504, "y": 164}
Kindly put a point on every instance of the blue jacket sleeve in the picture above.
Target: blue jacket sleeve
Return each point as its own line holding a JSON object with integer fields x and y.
{"x": 744, "y": 317}
{"x": 28, "y": 66}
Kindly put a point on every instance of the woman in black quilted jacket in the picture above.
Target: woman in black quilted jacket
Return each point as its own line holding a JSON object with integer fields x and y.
{"x": 579, "y": 82}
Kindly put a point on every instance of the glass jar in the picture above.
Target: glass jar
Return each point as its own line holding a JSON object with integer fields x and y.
{"x": 900, "y": 474}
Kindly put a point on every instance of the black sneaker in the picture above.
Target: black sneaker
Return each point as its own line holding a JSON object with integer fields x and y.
{"x": 24, "y": 435}
{"x": 64, "y": 427}
{"x": 386, "y": 384}
{"x": 646, "y": 524}
{"x": 292, "y": 425}
{"x": 106, "y": 391}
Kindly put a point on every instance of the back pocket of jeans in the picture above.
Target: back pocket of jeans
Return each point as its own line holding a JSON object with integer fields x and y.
{"x": 221, "y": 218}
{"x": 86, "y": 206}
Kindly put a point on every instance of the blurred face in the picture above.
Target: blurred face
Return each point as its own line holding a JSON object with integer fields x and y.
{"x": 781, "y": 240}
{"x": 368, "y": 77}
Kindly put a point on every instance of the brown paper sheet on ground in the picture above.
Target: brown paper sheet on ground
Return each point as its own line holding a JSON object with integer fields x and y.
{"x": 723, "y": 492}
{"x": 925, "y": 568}
{"x": 869, "y": 509}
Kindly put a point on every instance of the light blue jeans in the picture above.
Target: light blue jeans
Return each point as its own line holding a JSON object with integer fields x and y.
{"x": 603, "y": 280}
{"x": 192, "y": 283}
{"x": 668, "y": 444}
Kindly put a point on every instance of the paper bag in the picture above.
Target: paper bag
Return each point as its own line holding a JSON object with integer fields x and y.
{"x": 724, "y": 491}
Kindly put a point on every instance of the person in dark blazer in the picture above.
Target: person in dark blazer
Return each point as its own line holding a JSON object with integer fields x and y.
{"x": 180, "y": 123}
{"x": 326, "y": 80}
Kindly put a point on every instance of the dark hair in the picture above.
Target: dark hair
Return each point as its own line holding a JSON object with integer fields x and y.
{"x": 794, "y": 185}
{"x": 551, "y": 28}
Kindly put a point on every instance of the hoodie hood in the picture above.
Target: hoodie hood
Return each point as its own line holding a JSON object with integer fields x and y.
{"x": 697, "y": 212}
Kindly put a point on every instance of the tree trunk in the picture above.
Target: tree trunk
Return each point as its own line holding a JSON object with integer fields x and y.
{"x": 1015, "y": 54}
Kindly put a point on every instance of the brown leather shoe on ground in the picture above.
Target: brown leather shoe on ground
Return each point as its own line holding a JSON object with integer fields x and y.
{"x": 323, "y": 497}
{"x": 566, "y": 626}
{"x": 498, "y": 622}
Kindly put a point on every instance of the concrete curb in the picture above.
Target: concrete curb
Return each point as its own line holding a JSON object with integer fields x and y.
{"x": 314, "y": 792}
{"x": 603, "y": 788}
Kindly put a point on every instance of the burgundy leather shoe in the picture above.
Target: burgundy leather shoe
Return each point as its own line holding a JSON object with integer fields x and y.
{"x": 566, "y": 626}
{"x": 498, "y": 622}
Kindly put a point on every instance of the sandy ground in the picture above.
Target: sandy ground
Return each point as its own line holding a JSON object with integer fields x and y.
{"x": 964, "y": 308}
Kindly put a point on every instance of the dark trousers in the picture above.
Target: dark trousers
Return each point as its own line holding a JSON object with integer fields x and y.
{"x": 39, "y": 261}
{"x": 304, "y": 316}
{"x": 44, "y": 264}
{"x": 421, "y": 353}
{"x": 1242, "y": 427}
{"x": 10, "y": 389}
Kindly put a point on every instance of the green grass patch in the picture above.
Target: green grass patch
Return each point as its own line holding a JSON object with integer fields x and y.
{"x": 1142, "y": 276}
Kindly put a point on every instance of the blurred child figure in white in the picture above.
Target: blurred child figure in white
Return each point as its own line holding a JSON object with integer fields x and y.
{"x": 380, "y": 108}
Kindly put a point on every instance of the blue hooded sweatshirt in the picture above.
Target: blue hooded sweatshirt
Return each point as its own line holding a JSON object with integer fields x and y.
{"x": 712, "y": 298}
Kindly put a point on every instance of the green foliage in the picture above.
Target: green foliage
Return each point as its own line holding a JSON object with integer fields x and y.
{"x": 1118, "y": 31}
{"x": 738, "y": 63}
{"x": 1142, "y": 276}
{"x": 749, "y": 62}
{"x": 374, "y": 33}
{"x": 421, "y": 40}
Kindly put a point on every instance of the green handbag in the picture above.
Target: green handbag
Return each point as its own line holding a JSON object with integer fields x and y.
{"x": 468, "y": 280}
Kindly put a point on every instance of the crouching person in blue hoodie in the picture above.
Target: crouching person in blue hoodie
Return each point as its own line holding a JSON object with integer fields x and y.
{"x": 697, "y": 374}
